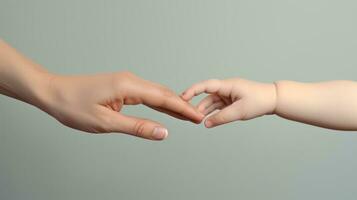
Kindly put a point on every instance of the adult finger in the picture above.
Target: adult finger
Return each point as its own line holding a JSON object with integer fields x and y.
{"x": 173, "y": 114}
{"x": 159, "y": 97}
{"x": 138, "y": 127}
{"x": 168, "y": 102}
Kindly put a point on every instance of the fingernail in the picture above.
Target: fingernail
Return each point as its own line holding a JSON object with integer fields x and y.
{"x": 208, "y": 124}
{"x": 159, "y": 133}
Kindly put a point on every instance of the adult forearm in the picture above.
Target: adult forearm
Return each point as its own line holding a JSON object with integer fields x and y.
{"x": 21, "y": 78}
{"x": 327, "y": 104}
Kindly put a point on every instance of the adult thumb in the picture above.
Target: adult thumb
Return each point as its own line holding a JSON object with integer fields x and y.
{"x": 138, "y": 127}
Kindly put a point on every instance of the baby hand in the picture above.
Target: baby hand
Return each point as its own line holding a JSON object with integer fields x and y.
{"x": 237, "y": 99}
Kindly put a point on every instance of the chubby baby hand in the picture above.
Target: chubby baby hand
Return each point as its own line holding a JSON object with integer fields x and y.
{"x": 237, "y": 99}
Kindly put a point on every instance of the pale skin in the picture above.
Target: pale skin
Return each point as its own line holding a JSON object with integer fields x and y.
{"x": 330, "y": 104}
{"x": 91, "y": 103}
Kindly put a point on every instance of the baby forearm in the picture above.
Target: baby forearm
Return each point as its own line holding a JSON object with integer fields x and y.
{"x": 327, "y": 104}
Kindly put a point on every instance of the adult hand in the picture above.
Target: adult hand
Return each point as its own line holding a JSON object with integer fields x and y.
{"x": 92, "y": 103}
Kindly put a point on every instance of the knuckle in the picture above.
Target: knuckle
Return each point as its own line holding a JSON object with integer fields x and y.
{"x": 122, "y": 80}
{"x": 214, "y": 81}
{"x": 139, "y": 128}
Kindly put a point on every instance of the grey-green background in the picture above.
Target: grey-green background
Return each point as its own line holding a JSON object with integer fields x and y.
{"x": 178, "y": 43}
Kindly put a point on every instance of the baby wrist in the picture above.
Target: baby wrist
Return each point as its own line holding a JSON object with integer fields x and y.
{"x": 275, "y": 97}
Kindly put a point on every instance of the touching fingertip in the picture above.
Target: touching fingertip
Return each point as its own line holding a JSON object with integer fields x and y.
{"x": 199, "y": 120}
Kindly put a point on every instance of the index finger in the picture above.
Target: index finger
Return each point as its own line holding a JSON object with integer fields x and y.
{"x": 209, "y": 86}
{"x": 168, "y": 102}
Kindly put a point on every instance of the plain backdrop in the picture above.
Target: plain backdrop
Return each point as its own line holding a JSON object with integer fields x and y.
{"x": 177, "y": 43}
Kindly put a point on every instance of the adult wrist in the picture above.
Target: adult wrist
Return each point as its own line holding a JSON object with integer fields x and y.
{"x": 30, "y": 83}
{"x": 276, "y": 97}
{"x": 41, "y": 92}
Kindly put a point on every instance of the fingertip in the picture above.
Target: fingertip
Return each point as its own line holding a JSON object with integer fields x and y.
{"x": 199, "y": 120}
{"x": 186, "y": 96}
{"x": 208, "y": 123}
{"x": 195, "y": 115}
{"x": 201, "y": 116}
{"x": 159, "y": 133}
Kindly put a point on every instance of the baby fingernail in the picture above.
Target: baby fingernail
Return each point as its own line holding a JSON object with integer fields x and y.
{"x": 159, "y": 133}
{"x": 208, "y": 124}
